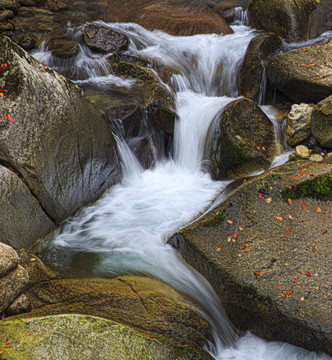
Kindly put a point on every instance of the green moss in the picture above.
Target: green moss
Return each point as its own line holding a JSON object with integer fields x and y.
{"x": 252, "y": 292}
{"x": 216, "y": 220}
{"x": 318, "y": 188}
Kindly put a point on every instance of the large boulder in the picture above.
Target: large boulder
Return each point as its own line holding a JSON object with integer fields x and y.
{"x": 266, "y": 253}
{"x": 321, "y": 122}
{"x": 73, "y": 337}
{"x": 320, "y": 19}
{"x": 253, "y": 69}
{"x": 142, "y": 303}
{"x": 288, "y": 18}
{"x": 13, "y": 277}
{"x": 303, "y": 74}
{"x": 240, "y": 141}
{"x": 52, "y": 137}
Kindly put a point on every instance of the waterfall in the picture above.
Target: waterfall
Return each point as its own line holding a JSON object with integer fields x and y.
{"x": 129, "y": 226}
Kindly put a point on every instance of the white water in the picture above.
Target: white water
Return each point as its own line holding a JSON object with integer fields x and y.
{"x": 129, "y": 226}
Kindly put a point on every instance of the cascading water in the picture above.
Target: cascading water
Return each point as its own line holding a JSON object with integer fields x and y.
{"x": 128, "y": 227}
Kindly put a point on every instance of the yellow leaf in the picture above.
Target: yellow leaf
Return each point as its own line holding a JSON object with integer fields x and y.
{"x": 268, "y": 200}
{"x": 294, "y": 250}
{"x": 279, "y": 218}
{"x": 230, "y": 221}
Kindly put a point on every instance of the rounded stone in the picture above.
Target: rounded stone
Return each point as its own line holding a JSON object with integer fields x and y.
{"x": 302, "y": 151}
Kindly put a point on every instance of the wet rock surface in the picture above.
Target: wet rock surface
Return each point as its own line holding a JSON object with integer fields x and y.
{"x": 321, "y": 122}
{"x": 304, "y": 74}
{"x": 240, "y": 141}
{"x": 268, "y": 257}
{"x": 141, "y": 303}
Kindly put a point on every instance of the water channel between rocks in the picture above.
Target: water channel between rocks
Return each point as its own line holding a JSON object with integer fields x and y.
{"x": 126, "y": 231}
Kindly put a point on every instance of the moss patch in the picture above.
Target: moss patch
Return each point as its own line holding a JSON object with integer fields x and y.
{"x": 318, "y": 188}
{"x": 215, "y": 220}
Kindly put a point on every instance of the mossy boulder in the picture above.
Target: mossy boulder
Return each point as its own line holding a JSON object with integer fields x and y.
{"x": 303, "y": 74}
{"x": 269, "y": 259}
{"x": 240, "y": 141}
{"x": 288, "y": 18}
{"x": 70, "y": 156}
{"x": 139, "y": 302}
{"x": 73, "y": 337}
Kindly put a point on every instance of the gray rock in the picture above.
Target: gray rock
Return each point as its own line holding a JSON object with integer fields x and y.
{"x": 22, "y": 219}
{"x": 259, "y": 51}
{"x": 298, "y": 76}
{"x": 298, "y": 125}
{"x": 321, "y": 122}
{"x": 70, "y": 156}
{"x": 316, "y": 157}
{"x": 12, "y": 285}
{"x": 8, "y": 259}
{"x": 104, "y": 40}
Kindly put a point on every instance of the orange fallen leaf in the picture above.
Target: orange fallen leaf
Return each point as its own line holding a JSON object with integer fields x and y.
{"x": 299, "y": 271}
{"x": 263, "y": 272}
{"x": 280, "y": 287}
{"x": 294, "y": 250}
{"x": 324, "y": 296}
{"x": 288, "y": 292}
{"x": 284, "y": 295}
{"x": 292, "y": 291}
{"x": 258, "y": 148}
{"x": 256, "y": 273}
{"x": 308, "y": 291}
{"x": 244, "y": 216}
{"x": 287, "y": 233}
{"x": 2, "y": 254}
{"x": 230, "y": 221}
{"x": 28, "y": 334}
{"x": 310, "y": 65}
{"x": 324, "y": 232}
{"x": 327, "y": 63}
{"x": 319, "y": 209}
{"x": 263, "y": 148}
{"x": 244, "y": 181}
{"x": 315, "y": 59}
{"x": 241, "y": 228}
{"x": 286, "y": 264}
{"x": 235, "y": 235}
{"x": 304, "y": 49}
{"x": 308, "y": 273}
{"x": 248, "y": 250}
{"x": 295, "y": 281}
{"x": 290, "y": 202}
{"x": 304, "y": 204}
{"x": 147, "y": 332}
{"x": 33, "y": 259}
{"x": 317, "y": 287}
{"x": 311, "y": 166}
{"x": 218, "y": 249}
{"x": 8, "y": 346}
{"x": 244, "y": 241}
{"x": 242, "y": 247}
{"x": 279, "y": 218}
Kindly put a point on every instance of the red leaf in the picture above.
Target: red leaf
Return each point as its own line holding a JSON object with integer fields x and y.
{"x": 299, "y": 271}
{"x": 308, "y": 273}
{"x": 287, "y": 233}
{"x": 304, "y": 204}
{"x": 261, "y": 196}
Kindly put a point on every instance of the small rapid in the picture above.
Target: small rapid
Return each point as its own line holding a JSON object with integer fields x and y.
{"x": 127, "y": 229}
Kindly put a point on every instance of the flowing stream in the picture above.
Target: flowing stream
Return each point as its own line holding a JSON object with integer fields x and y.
{"x": 126, "y": 231}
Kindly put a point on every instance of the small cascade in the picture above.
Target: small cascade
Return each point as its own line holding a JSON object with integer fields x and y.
{"x": 129, "y": 226}
{"x": 241, "y": 16}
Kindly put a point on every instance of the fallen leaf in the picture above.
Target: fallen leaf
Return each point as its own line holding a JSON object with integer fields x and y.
{"x": 294, "y": 250}
{"x": 310, "y": 65}
{"x": 271, "y": 187}
{"x": 263, "y": 148}
{"x": 317, "y": 287}
{"x": 244, "y": 181}
{"x": 8, "y": 346}
{"x": 279, "y": 218}
{"x": 241, "y": 228}
{"x": 324, "y": 296}
{"x": 296, "y": 281}
{"x": 258, "y": 148}
{"x": 28, "y": 334}
{"x": 244, "y": 216}
{"x": 315, "y": 59}
{"x": 6, "y": 340}
{"x": 302, "y": 298}
{"x": 299, "y": 271}
{"x": 248, "y": 250}
{"x": 239, "y": 255}
{"x": 327, "y": 63}
{"x": 308, "y": 291}
{"x": 287, "y": 233}
{"x": 324, "y": 232}
{"x": 217, "y": 250}
{"x": 268, "y": 200}
{"x": 230, "y": 221}
{"x": 286, "y": 264}
{"x": 284, "y": 295}
{"x": 308, "y": 273}
{"x": 280, "y": 287}
{"x": 318, "y": 46}
{"x": 304, "y": 49}
{"x": 1, "y": 351}
{"x": 290, "y": 201}
{"x": 263, "y": 272}
{"x": 311, "y": 166}
{"x": 235, "y": 235}
{"x": 304, "y": 204}
{"x": 288, "y": 292}
{"x": 261, "y": 196}
{"x": 292, "y": 291}
{"x": 33, "y": 259}
{"x": 290, "y": 216}
{"x": 2, "y": 254}
{"x": 319, "y": 209}
{"x": 256, "y": 273}
{"x": 244, "y": 241}
{"x": 242, "y": 247}
{"x": 147, "y": 332}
